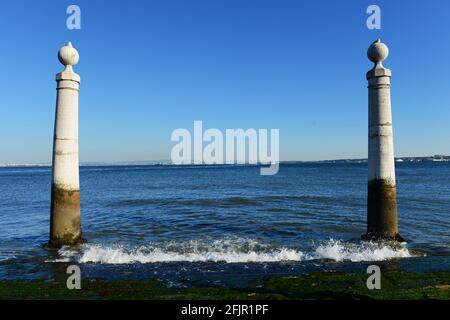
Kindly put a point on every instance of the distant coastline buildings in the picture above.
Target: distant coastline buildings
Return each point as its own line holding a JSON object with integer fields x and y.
{"x": 435, "y": 158}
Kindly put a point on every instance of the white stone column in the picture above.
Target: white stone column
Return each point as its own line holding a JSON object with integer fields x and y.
{"x": 65, "y": 226}
{"x": 381, "y": 199}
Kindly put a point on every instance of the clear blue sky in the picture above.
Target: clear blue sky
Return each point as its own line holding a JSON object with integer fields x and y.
{"x": 149, "y": 67}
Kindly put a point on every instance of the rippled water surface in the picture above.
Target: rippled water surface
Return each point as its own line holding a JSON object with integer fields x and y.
{"x": 217, "y": 222}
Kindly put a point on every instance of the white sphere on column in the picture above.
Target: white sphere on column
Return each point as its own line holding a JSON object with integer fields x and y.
{"x": 68, "y": 55}
{"x": 377, "y": 51}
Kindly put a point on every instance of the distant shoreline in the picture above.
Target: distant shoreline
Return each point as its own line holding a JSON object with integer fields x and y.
{"x": 436, "y": 158}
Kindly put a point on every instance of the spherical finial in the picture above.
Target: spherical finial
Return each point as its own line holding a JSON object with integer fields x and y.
{"x": 68, "y": 55}
{"x": 377, "y": 51}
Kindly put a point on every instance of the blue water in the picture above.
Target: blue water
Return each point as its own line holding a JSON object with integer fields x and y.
{"x": 214, "y": 223}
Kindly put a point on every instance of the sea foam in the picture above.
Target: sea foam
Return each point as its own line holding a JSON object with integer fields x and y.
{"x": 365, "y": 251}
{"x": 230, "y": 251}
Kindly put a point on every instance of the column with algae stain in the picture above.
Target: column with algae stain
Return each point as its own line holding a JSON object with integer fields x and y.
{"x": 382, "y": 222}
{"x": 65, "y": 225}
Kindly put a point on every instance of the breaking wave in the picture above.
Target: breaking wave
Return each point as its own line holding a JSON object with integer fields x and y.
{"x": 365, "y": 251}
{"x": 231, "y": 251}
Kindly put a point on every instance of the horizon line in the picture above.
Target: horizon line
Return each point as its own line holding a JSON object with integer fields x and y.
{"x": 168, "y": 162}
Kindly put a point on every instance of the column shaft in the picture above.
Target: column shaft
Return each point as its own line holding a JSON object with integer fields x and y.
{"x": 65, "y": 225}
{"x": 381, "y": 197}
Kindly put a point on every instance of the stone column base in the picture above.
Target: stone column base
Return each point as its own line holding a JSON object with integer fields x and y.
{"x": 382, "y": 211}
{"x": 65, "y": 225}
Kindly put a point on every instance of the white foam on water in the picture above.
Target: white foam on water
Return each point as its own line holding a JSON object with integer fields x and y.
{"x": 230, "y": 251}
{"x": 366, "y": 251}
{"x": 98, "y": 254}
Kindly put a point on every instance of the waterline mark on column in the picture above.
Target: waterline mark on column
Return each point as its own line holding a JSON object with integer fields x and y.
{"x": 236, "y": 146}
